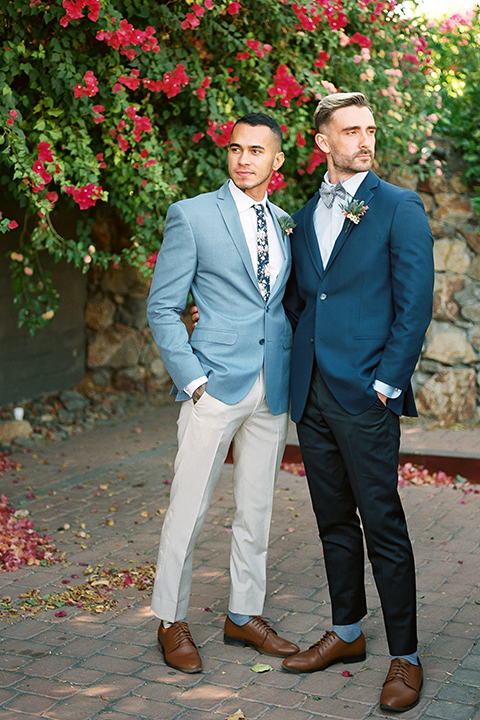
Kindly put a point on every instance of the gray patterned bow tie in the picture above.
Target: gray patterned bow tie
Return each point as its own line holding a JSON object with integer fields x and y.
{"x": 329, "y": 192}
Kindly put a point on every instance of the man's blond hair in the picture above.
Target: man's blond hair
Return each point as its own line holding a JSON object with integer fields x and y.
{"x": 327, "y": 106}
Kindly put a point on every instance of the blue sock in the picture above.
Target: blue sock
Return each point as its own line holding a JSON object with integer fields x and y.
{"x": 413, "y": 658}
{"x": 347, "y": 633}
{"x": 239, "y": 619}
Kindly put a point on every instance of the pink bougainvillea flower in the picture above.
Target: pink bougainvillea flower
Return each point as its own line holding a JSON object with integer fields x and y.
{"x": 151, "y": 260}
{"x": 234, "y": 8}
{"x": 12, "y": 225}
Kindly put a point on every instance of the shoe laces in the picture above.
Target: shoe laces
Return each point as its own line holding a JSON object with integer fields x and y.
{"x": 261, "y": 624}
{"x": 325, "y": 640}
{"x": 182, "y": 633}
{"x": 399, "y": 671}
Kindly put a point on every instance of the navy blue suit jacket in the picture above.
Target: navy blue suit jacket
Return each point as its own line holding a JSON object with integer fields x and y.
{"x": 364, "y": 316}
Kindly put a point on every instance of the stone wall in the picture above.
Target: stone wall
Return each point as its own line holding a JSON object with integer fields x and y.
{"x": 121, "y": 351}
{"x": 447, "y": 380}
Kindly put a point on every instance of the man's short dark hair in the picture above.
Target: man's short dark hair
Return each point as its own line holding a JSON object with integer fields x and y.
{"x": 327, "y": 106}
{"x": 258, "y": 118}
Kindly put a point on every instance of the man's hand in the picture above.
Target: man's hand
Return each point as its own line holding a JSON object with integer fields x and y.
{"x": 197, "y": 394}
{"x": 383, "y": 398}
{"x": 194, "y": 315}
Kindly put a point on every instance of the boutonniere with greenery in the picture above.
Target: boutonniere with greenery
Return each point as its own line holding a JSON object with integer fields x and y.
{"x": 354, "y": 211}
{"x": 286, "y": 223}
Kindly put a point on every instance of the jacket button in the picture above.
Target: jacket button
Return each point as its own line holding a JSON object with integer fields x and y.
{"x": 323, "y": 296}
{"x": 262, "y": 341}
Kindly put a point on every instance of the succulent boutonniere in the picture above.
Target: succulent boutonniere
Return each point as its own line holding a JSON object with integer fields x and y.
{"x": 354, "y": 211}
{"x": 286, "y": 223}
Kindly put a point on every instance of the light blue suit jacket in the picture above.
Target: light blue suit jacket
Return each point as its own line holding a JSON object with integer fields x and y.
{"x": 204, "y": 251}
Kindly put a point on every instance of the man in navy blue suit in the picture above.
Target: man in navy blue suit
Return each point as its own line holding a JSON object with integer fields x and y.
{"x": 360, "y": 300}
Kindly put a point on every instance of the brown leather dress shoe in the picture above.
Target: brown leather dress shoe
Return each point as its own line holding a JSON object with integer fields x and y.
{"x": 327, "y": 651}
{"x": 179, "y": 650}
{"x": 401, "y": 689}
{"x": 258, "y": 634}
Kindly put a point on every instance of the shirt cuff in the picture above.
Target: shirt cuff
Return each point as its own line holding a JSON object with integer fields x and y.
{"x": 388, "y": 390}
{"x": 191, "y": 387}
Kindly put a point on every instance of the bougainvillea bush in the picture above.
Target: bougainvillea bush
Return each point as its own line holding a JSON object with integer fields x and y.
{"x": 455, "y": 42}
{"x": 132, "y": 103}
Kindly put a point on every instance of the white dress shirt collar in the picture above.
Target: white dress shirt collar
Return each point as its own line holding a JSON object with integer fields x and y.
{"x": 242, "y": 200}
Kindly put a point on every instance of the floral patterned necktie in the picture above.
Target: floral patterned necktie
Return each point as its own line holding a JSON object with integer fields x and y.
{"x": 263, "y": 271}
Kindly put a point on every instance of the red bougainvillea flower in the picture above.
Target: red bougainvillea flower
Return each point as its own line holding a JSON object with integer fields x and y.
{"x": 44, "y": 152}
{"x": 220, "y": 134}
{"x": 91, "y": 86}
{"x": 234, "y": 8}
{"x": 151, "y": 260}
{"x": 85, "y": 196}
{"x": 276, "y": 183}
{"x": 12, "y": 225}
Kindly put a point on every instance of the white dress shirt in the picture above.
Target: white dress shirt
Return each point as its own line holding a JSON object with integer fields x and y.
{"x": 248, "y": 218}
{"x": 328, "y": 223}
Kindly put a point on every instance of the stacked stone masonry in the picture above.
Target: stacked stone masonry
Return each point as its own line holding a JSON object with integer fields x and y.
{"x": 447, "y": 378}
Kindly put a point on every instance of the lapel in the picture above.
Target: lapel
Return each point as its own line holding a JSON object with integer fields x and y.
{"x": 310, "y": 234}
{"x": 229, "y": 212}
{"x": 365, "y": 193}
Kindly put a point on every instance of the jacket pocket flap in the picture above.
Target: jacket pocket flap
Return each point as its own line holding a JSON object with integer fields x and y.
{"x": 214, "y": 336}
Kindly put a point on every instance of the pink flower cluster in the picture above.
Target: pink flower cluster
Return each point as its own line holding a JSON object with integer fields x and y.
{"x": 362, "y": 40}
{"x": 171, "y": 84}
{"x": 44, "y": 156}
{"x": 20, "y": 544}
{"x": 91, "y": 86}
{"x": 192, "y": 18}
{"x": 98, "y": 111}
{"x": 309, "y": 17}
{"x": 257, "y": 48}
{"x": 285, "y": 87}
{"x": 276, "y": 183}
{"x": 322, "y": 59}
{"x": 74, "y": 10}
{"x": 151, "y": 260}
{"x": 132, "y": 81}
{"x": 85, "y": 196}
{"x": 202, "y": 89}
{"x": 12, "y": 115}
{"x": 127, "y": 35}
{"x": 220, "y": 134}
{"x": 141, "y": 123}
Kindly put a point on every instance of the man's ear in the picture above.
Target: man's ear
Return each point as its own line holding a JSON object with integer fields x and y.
{"x": 279, "y": 160}
{"x": 322, "y": 143}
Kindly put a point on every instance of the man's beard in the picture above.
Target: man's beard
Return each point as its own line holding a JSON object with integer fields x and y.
{"x": 348, "y": 165}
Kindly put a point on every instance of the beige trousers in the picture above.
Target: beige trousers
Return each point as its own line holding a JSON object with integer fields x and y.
{"x": 205, "y": 431}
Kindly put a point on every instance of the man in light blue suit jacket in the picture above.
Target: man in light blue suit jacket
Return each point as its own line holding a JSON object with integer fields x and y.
{"x": 360, "y": 298}
{"x": 228, "y": 248}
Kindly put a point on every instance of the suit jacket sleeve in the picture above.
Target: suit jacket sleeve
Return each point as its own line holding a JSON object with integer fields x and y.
{"x": 172, "y": 280}
{"x": 412, "y": 275}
